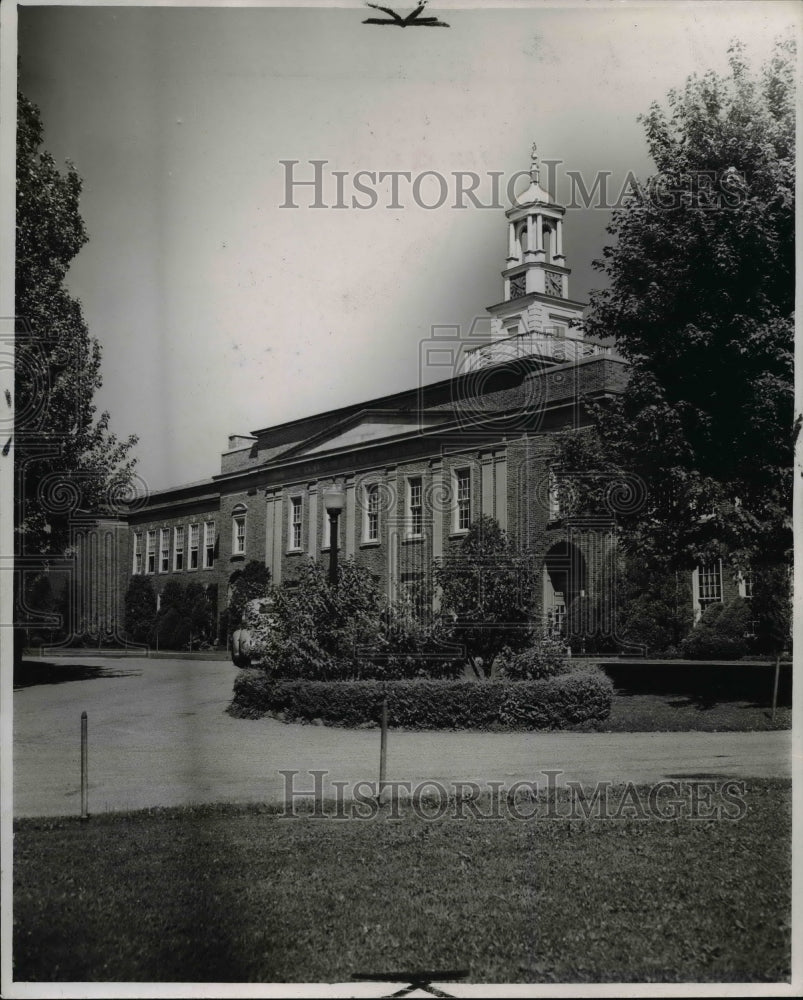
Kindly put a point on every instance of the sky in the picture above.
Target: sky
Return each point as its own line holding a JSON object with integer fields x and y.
{"x": 218, "y": 310}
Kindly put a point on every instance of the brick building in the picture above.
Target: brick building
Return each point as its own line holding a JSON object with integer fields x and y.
{"x": 417, "y": 466}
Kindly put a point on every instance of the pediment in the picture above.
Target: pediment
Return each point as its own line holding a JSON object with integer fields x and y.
{"x": 370, "y": 426}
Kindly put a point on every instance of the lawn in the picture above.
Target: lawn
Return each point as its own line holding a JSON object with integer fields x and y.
{"x": 682, "y": 712}
{"x": 240, "y": 894}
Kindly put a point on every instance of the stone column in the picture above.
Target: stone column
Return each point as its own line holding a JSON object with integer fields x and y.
{"x": 437, "y": 500}
{"x": 278, "y": 511}
{"x": 348, "y": 517}
{"x": 530, "y": 254}
{"x": 312, "y": 522}
{"x": 487, "y": 484}
{"x": 558, "y": 254}
{"x": 511, "y": 242}
{"x": 500, "y": 489}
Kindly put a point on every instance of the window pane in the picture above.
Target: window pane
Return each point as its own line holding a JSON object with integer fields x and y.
{"x": 209, "y": 544}
{"x": 296, "y": 516}
{"x": 416, "y": 507}
{"x": 463, "y": 477}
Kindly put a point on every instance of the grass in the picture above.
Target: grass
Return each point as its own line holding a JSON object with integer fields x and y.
{"x": 239, "y": 894}
{"x": 683, "y": 712}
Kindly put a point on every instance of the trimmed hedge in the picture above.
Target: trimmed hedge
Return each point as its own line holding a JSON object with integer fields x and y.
{"x": 582, "y": 696}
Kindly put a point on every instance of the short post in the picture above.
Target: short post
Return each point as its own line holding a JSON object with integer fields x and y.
{"x": 84, "y": 781}
{"x": 383, "y": 749}
{"x": 775, "y": 685}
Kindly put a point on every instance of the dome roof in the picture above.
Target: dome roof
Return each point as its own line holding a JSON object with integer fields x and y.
{"x": 534, "y": 194}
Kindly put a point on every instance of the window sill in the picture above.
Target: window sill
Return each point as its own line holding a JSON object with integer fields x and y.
{"x": 372, "y": 544}
{"x": 413, "y": 539}
{"x": 237, "y": 556}
{"x": 294, "y": 552}
{"x": 460, "y": 533}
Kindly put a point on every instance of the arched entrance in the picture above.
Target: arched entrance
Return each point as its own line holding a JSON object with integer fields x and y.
{"x": 564, "y": 580}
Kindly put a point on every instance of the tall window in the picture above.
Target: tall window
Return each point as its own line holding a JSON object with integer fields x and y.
{"x": 710, "y": 583}
{"x": 164, "y": 550}
{"x": 463, "y": 499}
{"x": 137, "y": 552}
{"x": 194, "y": 545}
{"x": 372, "y": 512}
{"x": 209, "y": 544}
{"x": 238, "y": 532}
{"x": 150, "y": 552}
{"x": 178, "y": 548}
{"x": 416, "y": 505}
{"x": 296, "y": 514}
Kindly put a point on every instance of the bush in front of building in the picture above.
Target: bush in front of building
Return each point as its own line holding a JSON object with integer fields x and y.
{"x": 349, "y": 632}
{"x": 140, "y": 609}
{"x": 546, "y": 657}
{"x": 722, "y": 632}
{"x": 579, "y": 697}
{"x": 486, "y": 590}
{"x": 185, "y": 619}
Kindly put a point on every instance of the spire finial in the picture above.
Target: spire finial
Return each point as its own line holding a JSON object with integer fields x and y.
{"x": 535, "y": 170}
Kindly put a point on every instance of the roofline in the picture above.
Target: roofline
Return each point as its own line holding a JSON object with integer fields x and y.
{"x": 367, "y": 404}
{"x": 493, "y": 416}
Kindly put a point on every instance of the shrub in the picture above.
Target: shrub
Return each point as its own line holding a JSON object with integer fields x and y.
{"x": 486, "y": 593}
{"x": 658, "y": 615}
{"x": 720, "y": 632}
{"x": 172, "y": 630}
{"x": 545, "y": 658}
{"x": 140, "y": 609}
{"x": 583, "y": 696}
{"x": 317, "y": 632}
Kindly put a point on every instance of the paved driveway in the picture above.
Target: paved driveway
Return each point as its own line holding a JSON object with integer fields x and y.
{"x": 159, "y": 736}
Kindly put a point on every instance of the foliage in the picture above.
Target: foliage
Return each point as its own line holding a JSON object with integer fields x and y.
{"x": 186, "y": 617}
{"x": 57, "y": 364}
{"x": 546, "y": 657}
{"x": 319, "y": 632}
{"x": 581, "y": 696}
{"x": 656, "y": 610}
{"x": 251, "y": 583}
{"x": 140, "y": 609}
{"x": 771, "y": 606}
{"x": 486, "y": 593}
{"x": 720, "y": 633}
{"x": 700, "y": 302}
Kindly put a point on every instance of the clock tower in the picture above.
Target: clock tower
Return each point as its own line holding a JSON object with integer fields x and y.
{"x": 536, "y": 305}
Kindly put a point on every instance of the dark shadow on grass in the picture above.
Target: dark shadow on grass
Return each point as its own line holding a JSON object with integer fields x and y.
{"x": 30, "y": 673}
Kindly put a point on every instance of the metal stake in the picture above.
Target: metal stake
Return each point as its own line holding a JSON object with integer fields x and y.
{"x": 383, "y": 749}
{"x": 84, "y": 780}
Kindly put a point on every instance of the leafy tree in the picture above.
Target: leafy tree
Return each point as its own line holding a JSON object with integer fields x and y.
{"x": 65, "y": 457}
{"x": 140, "y": 609}
{"x": 58, "y": 362}
{"x": 700, "y": 301}
{"x": 200, "y": 614}
{"x": 486, "y": 589}
{"x": 771, "y": 607}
